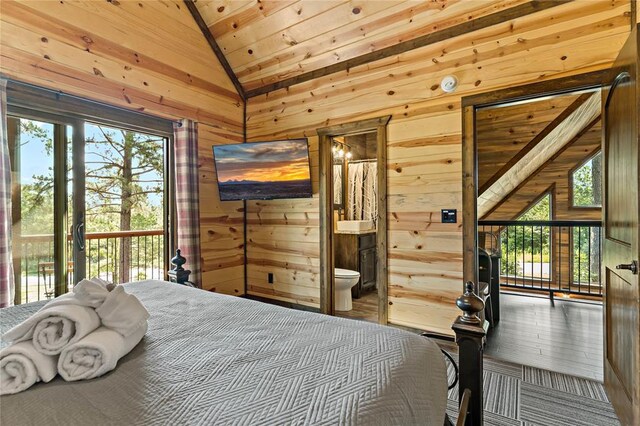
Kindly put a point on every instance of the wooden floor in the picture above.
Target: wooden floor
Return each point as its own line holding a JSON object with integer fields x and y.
{"x": 566, "y": 338}
{"x": 365, "y": 308}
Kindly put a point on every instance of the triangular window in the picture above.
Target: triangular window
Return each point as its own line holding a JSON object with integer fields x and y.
{"x": 541, "y": 210}
{"x": 586, "y": 183}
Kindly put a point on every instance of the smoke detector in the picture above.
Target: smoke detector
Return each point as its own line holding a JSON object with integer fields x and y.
{"x": 449, "y": 84}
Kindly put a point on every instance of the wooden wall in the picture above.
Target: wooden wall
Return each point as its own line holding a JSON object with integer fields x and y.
{"x": 283, "y": 238}
{"x": 424, "y": 148}
{"x": 144, "y": 55}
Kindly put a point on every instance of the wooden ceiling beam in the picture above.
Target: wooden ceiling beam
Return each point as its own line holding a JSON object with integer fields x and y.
{"x": 522, "y": 184}
{"x": 535, "y": 141}
{"x": 438, "y": 36}
{"x": 214, "y": 46}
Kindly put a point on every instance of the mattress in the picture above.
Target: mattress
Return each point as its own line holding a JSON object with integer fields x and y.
{"x": 215, "y": 359}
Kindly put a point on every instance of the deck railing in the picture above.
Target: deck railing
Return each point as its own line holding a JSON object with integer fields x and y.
{"x": 551, "y": 256}
{"x": 143, "y": 259}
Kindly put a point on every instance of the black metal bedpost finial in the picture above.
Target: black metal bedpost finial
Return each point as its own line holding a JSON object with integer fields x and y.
{"x": 470, "y": 334}
{"x": 470, "y": 305}
{"x": 178, "y": 274}
{"x": 178, "y": 260}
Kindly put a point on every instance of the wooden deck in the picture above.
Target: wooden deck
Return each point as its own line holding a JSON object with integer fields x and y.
{"x": 565, "y": 337}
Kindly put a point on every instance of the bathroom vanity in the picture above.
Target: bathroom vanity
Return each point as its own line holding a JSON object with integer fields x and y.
{"x": 356, "y": 250}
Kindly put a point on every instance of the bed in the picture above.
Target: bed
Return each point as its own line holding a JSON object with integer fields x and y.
{"x": 214, "y": 359}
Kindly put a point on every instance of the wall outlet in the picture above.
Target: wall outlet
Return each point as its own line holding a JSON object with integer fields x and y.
{"x": 270, "y": 277}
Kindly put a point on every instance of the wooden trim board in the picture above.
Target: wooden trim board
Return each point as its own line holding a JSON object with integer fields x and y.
{"x": 214, "y": 46}
{"x": 558, "y": 86}
{"x": 382, "y": 273}
{"x": 469, "y": 196}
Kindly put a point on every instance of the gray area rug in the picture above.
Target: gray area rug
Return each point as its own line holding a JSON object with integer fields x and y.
{"x": 519, "y": 395}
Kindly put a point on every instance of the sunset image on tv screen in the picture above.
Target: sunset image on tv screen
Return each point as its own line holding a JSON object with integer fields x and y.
{"x": 263, "y": 170}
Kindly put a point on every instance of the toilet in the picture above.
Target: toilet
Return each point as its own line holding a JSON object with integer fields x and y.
{"x": 345, "y": 279}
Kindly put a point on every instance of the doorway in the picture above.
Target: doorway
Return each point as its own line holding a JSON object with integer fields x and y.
{"x": 353, "y": 223}
{"x": 520, "y": 235}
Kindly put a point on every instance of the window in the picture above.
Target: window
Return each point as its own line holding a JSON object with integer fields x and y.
{"x": 541, "y": 210}
{"x": 586, "y": 183}
{"x": 91, "y": 191}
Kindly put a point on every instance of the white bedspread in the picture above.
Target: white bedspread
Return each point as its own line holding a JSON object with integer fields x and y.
{"x": 213, "y": 359}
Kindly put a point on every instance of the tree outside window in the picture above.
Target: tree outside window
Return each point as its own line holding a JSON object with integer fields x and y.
{"x": 587, "y": 183}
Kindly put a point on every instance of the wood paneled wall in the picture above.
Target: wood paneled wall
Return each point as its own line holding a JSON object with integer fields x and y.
{"x": 221, "y": 223}
{"x": 283, "y": 238}
{"x": 144, "y": 55}
{"x": 424, "y": 148}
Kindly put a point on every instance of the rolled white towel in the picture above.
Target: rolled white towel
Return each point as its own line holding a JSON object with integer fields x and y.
{"x": 122, "y": 312}
{"x": 97, "y": 354}
{"x": 59, "y": 323}
{"x": 117, "y": 309}
{"x": 21, "y": 365}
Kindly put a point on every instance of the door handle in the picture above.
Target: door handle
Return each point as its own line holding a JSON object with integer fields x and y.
{"x": 80, "y": 236}
{"x": 633, "y": 267}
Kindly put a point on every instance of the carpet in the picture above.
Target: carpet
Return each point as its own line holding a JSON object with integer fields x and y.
{"x": 519, "y": 395}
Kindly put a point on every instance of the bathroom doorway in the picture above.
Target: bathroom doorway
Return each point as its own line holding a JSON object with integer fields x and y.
{"x": 353, "y": 224}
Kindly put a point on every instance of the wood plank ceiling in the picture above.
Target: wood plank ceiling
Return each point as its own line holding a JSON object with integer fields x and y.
{"x": 266, "y": 42}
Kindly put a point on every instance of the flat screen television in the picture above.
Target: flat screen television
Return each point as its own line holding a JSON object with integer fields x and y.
{"x": 263, "y": 170}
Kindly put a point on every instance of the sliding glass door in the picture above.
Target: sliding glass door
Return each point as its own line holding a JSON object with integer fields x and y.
{"x": 89, "y": 200}
{"x": 125, "y": 203}
{"x": 40, "y": 151}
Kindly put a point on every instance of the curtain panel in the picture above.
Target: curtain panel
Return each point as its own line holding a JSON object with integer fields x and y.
{"x": 187, "y": 196}
{"x": 6, "y": 259}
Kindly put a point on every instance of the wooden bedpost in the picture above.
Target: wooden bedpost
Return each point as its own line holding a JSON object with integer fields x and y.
{"x": 470, "y": 333}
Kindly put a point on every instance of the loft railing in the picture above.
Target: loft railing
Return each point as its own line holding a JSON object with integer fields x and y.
{"x": 143, "y": 259}
{"x": 551, "y": 256}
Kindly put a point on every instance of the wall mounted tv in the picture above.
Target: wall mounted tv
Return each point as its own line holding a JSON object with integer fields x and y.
{"x": 263, "y": 170}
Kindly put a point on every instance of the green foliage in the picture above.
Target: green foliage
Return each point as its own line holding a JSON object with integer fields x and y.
{"x": 586, "y": 254}
{"x": 586, "y": 183}
{"x": 527, "y": 243}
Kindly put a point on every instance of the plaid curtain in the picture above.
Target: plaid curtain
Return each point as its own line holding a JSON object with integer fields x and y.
{"x": 6, "y": 260}
{"x": 187, "y": 196}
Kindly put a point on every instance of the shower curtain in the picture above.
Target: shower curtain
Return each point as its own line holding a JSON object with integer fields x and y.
{"x": 363, "y": 194}
{"x": 337, "y": 184}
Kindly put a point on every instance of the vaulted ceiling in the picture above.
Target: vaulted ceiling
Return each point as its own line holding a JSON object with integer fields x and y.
{"x": 503, "y": 131}
{"x": 267, "y": 42}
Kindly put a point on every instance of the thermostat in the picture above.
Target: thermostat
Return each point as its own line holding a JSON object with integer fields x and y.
{"x": 449, "y": 216}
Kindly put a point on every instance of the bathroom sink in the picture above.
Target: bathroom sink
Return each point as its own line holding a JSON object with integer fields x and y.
{"x": 355, "y": 225}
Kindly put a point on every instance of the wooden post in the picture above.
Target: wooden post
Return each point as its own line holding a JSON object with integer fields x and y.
{"x": 470, "y": 333}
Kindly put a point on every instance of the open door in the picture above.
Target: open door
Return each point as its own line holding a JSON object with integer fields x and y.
{"x": 621, "y": 243}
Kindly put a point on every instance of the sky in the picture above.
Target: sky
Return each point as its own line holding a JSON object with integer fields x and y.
{"x": 263, "y": 161}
